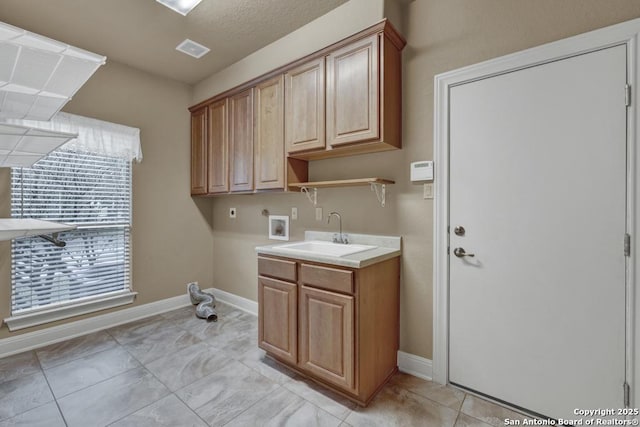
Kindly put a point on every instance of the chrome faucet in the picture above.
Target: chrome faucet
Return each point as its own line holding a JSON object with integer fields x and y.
{"x": 340, "y": 238}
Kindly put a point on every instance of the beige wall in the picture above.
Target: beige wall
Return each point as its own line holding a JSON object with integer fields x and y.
{"x": 341, "y": 22}
{"x": 172, "y": 241}
{"x": 442, "y": 35}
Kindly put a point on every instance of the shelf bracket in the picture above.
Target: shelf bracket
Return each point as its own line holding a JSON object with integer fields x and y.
{"x": 381, "y": 192}
{"x": 311, "y": 195}
{"x": 53, "y": 239}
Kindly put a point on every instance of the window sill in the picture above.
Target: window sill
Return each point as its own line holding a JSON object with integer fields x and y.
{"x": 40, "y": 317}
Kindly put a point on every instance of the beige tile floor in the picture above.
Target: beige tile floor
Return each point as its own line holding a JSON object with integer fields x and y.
{"x": 176, "y": 370}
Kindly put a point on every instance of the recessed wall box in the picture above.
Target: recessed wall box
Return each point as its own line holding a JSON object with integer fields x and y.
{"x": 422, "y": 171}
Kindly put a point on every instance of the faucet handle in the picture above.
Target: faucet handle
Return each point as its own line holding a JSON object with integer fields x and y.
{"x": 345, "y": 239}
{"x": 336, "y": 238}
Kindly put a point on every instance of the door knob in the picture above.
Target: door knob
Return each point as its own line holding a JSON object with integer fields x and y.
{"x": 459, "y": 230}
{"x": 460, "y": 253}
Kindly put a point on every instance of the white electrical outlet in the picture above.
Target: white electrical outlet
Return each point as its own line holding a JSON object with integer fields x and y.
{"x": 318, "y": 214}
{"x": 428, "y": 191}
{"x": 232, "y": 212}
{"x": 294, "y": 213}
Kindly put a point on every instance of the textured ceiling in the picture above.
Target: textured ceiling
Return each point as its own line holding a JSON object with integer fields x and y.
{"x": 144, "y": 34}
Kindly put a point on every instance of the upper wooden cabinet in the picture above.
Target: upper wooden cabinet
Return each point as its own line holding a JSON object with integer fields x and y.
{"x": 353, "y": 95}
{"x": 199, "y": 151}
{"x": 269, "y": 134}
{"x": 241, "y": 141}
{"x": 218, "y": 148}
{"x": 343, "y": 100}
{"x": 364, "y": 97}
{"x": 304, "y": 107}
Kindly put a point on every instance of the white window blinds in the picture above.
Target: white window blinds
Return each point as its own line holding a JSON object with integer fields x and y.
{"x": 92, "y": 191}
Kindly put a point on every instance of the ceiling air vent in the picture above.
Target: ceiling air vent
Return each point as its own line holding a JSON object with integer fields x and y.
{"x": 192, "y": 48}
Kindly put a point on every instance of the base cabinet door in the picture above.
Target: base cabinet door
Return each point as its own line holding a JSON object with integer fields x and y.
{"x": 327, "y": 336}
{"x": 277, "y": 326}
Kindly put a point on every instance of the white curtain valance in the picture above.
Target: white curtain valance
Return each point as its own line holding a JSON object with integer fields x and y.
{"x": 94, "y": 136}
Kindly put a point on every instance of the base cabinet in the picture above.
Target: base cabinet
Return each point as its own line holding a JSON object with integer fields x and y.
{"x": 335, "y": 325}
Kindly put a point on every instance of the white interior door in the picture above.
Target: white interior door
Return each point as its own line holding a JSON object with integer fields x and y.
{"x": 538, "y": 181}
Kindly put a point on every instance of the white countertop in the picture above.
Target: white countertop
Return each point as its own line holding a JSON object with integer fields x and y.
{"x": 387, "y": 247}
{"x": 13, "y": 228}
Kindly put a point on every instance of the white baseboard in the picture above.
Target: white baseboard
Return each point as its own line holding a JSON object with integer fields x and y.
{"x": 32, "y": 340}
{"x": 236, "y": 301}
{"x": 54, "y": 334}
{"x": 408, "y": 363}
{"x": 415, "y": 365}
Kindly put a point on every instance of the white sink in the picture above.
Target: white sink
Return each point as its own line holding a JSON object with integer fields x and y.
{"x": 320, "y": 247}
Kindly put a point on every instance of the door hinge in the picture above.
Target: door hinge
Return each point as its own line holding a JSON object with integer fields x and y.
{"x": 627, "y": 245}
{"x": 627, "y": 395}
{"x": 447, "y": 250}
{"x": 627, "y": 95}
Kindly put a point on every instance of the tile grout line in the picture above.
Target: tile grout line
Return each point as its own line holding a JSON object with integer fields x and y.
{"x": 139, "y": 409}
{"x": 35, "y": 407}
{"x": 75, "y": 358}
{"x": 151, "y": 373}
{"x": 471, "y": 416}
{"x": 342, "y": 420}
{"x": 429, "y": 399}
{"x": 307, "y": 400}
{"x": 258, "y": 401}
{"x": 189, "y": 407}
{"x": 55, "y": 399}
{"x": 234, "y": 358}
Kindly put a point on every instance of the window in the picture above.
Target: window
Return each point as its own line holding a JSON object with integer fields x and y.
{"x": 87, "y": 187}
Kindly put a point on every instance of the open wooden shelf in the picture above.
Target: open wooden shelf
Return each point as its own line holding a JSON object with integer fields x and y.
{"x": 310, "y": 189}
{"x": 341, "y": 183}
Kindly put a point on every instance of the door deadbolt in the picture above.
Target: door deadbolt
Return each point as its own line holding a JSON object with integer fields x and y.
{"x": 459, "y": 230}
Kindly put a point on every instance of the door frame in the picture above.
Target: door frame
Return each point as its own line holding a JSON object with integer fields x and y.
{"x": 626, "y": 33}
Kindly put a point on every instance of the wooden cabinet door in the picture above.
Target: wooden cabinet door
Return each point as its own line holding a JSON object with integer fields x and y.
{"x": 218, "y": 151}
{"x": 269, "y": 134}
{"x": 305, "y": 107}
{"x": 277, "y": 318}
{"x": 353, "y": 93}
{"x": 241, "y": 141}
{"x": 326, "y": 335}
{"x": 199, "y": 152}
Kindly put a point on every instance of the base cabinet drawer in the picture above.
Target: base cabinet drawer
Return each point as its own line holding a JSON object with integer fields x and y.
{"x": 333, "y": 279}
{"x": 277, "y": 268}
{"x": 327, "y": 335}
